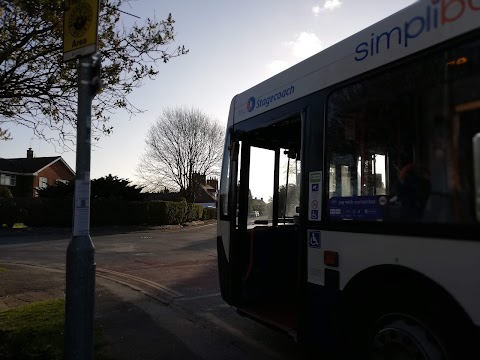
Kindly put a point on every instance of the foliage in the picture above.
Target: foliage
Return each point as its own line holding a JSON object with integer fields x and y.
{"x": 106, "y": 212}
{"x": 5, "y": 193}
{"x": 8, "y": 211}
{"x": 39, "y": 90}
{"x": 59, "y": 190}
{"x": 172, "y": 213}
{"x": 194, "y": 212}
{"x": 44, "y": 212}
{"x": 5, "y": 135}
{"x": 107, "y": 187}
{"x": 113, "y": 187}
{"x": 209, "y": 213}
{"x": 35, "y": 331}
{"x": 183, "y": 145}
{"x": 288, "y": 200}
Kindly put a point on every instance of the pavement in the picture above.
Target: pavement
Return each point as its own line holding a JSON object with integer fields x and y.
{"x": 123, "y": 323}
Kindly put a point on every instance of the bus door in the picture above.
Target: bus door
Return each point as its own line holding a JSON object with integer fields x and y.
{"x": 228, "y": 219}
{"x": 265, "y": 232}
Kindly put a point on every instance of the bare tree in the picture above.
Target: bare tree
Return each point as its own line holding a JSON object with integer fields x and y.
{"x": 182, "y": 143}
{"x": 38, "y": 90}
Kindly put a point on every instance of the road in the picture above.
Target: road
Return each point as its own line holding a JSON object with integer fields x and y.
{"x": 170, "y": 276}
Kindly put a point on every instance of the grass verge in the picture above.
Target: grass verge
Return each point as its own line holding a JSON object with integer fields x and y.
{"x": 35, "y": 331}
{"x": 2, "y": 270}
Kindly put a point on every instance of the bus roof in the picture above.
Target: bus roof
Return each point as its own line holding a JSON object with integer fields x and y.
{"x": 410, "y": 30}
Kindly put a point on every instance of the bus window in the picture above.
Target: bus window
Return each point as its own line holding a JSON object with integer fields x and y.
{"x": 262, "y": 163}
{"x": 399, "y": 149}
{"x": 289, "y": 184}
{"x": 225, "y": 179}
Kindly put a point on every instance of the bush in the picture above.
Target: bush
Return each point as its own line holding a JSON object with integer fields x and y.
{"x": 176, "y": 212}
{"x": 8, "y": 211}
{"x": 43, "y": 212}
{"x": 209, "y": 213}
{"x": 157, "y": 213}
{"x": 194, "y": 212}
{"x": 103, "y": 212}
{"x": 111, "y": 212}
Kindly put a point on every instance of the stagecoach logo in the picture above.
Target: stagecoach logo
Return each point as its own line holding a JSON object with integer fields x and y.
{"x": 251, "y": 104}
{"x": 254, "y": 103}
{"x": 438, "y": 13}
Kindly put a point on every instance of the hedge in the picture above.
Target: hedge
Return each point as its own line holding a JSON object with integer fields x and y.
{"x": 56, "y": 213}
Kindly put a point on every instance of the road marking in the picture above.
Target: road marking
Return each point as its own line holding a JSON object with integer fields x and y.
{"x": 101, "y": 272}
{"x": 153, "y": 284}
{"x": 199, "y": 297}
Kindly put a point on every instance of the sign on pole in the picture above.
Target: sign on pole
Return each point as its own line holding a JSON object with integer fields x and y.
{"x": 80, "y": 24}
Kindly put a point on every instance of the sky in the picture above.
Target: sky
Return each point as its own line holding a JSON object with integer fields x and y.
{"x": 232, "y": 47}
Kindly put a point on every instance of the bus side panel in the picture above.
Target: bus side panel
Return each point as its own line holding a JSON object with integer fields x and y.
{"x": 224, "y": 271}
{"x": 320, "y": 333}
{"x": 315, "y": 326}
{"x": 223, "y": 230}
{"x": 448, "y": 263}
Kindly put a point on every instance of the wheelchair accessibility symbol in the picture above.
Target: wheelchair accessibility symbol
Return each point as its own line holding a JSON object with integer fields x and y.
{"x": 314, "y": 239}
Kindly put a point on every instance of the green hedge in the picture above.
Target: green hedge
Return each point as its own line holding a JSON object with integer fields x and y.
{"x": 209, "y": 213}
{"x": 36, "y": 212}
{"x": 53, "y": 212}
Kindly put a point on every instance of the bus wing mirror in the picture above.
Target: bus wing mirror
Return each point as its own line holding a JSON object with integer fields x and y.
{"x": 476, "y": 170}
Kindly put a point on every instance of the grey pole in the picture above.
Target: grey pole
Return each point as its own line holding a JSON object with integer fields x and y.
{"x": 80, "y": 274}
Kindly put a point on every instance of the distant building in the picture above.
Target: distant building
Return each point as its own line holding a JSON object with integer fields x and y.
{"x": 259, "y": 206}
{"x": 23, "y": 176}
{"x": 205, "y": 193}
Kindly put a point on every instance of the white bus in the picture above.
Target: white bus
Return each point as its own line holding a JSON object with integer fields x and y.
{"x": 363, "y": 166}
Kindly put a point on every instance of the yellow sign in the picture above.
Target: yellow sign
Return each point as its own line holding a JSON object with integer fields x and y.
{"x": 80, "y": 27}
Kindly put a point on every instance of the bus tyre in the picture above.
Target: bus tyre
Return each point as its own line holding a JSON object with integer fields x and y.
{"x": 399, "y": 336}
{"x": 405, "y": 323}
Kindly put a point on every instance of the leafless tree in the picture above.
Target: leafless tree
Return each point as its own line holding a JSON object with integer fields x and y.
{"x": 182, "y": 142}
{"x": 39, "y": 91}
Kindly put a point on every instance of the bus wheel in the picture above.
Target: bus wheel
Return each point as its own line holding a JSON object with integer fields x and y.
{"x": 399, "y": 336}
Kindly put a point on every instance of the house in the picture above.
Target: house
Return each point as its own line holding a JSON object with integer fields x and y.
{"x": 205, "y": 192}
{"x": 258, "y": 206}
{"x": 22, "y": 176}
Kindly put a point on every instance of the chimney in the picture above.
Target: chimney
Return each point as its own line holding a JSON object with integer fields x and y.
{"x": 29, "y": 153}
{"x": 199, "y": 179}
{"x": 213, "y": 183}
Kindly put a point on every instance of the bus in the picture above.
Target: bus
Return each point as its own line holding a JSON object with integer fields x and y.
{"x": 362, "y": 167}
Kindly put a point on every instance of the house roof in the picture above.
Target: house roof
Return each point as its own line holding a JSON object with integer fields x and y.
{"x": 31, "y": 166}
{"x": 204, "y": 195}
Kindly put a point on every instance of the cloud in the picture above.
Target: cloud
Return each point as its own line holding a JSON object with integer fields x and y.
{"x": 332, "y": 4}
{"x": 329, "y": 5}
{"x": 306, "y": 44}
{"x": 276, "y": 66}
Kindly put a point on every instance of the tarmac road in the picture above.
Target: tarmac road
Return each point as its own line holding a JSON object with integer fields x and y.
{"x": 157, "y": 292}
